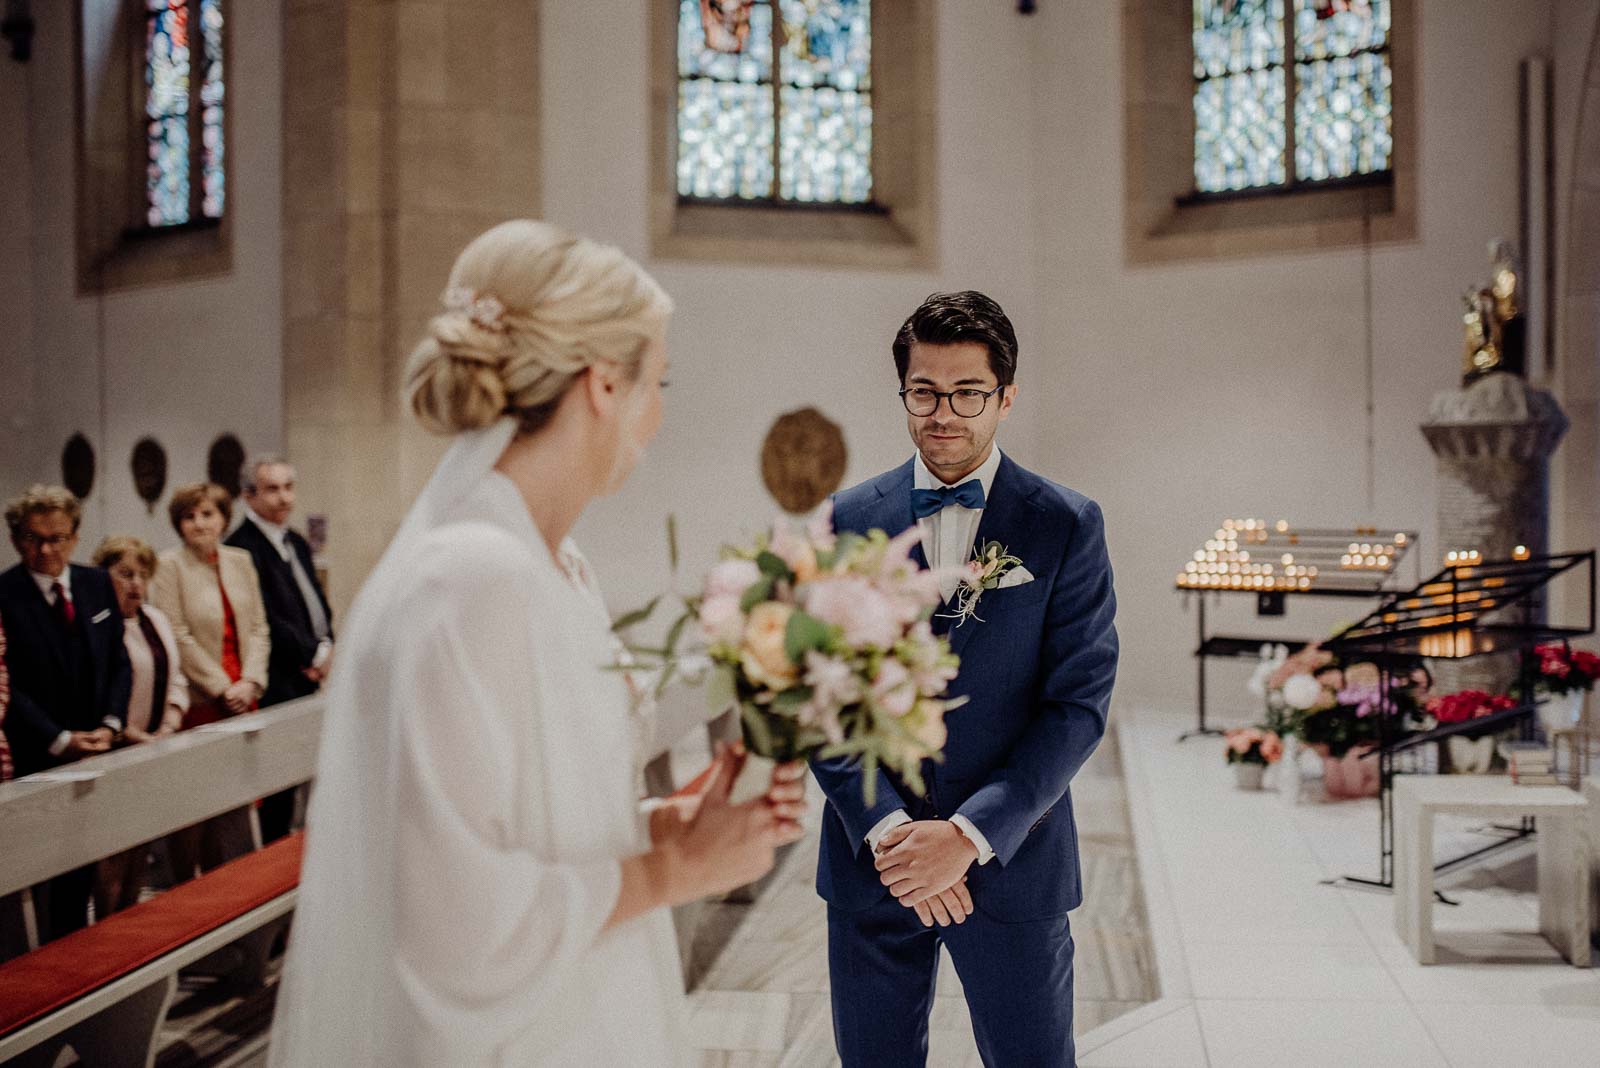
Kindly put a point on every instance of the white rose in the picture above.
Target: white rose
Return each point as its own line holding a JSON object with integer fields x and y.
{"x": 1301, "y": 692}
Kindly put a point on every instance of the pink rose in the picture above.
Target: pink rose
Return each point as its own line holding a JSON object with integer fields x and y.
{"x": 1272, "y": 748}
{"x": 731, "y": 578}
{"x": 853, "y": 604}
{"x": 721, "y": 619}
{"x": 833, "y": 682}
{"x": 796, "y": 552}
{"x": 893, "y": 688}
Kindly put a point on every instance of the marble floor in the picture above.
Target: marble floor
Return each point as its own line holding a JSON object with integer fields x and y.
{"x": 759, "y": 972}
{"x": 1260, "y": 963}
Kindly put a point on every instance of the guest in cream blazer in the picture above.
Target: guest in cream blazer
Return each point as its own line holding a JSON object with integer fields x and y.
{"x": 212, "y": 596}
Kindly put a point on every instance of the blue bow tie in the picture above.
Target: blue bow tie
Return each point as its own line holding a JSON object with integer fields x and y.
{"x": 926, "y": 502}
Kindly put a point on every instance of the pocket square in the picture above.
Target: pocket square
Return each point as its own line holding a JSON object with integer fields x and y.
{"x": 101, "y": 616}
{"x": 1015, "y": 577}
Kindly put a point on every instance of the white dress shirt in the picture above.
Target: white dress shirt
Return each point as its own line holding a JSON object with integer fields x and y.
{"x": 279, "y": 537}
{"x": 947, "y": 539}
{"x": 47, "y": 586}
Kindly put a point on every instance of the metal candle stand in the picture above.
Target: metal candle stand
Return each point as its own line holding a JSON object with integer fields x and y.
{"x": 1448, "y": 616}
{"x": 1273, "y": 562}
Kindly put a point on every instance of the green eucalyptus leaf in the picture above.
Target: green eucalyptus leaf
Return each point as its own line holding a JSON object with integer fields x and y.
{"x": 634, "y": 618}
{"x": 758, "y": 592}
{"x": 721, "y": 689}
{"x": 757, "y": 733}
{"x": 804, "y": 633}
{"x": 675, "y": 632}
{"x": 772, "y": 565}
{"x": 791, "y": 699}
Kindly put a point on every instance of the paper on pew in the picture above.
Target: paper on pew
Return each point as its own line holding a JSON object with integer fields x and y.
{"x": 64, "y": 776}
{"x": 235, "y": 725}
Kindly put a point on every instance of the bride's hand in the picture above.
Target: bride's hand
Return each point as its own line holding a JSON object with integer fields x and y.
{"x": 722, "y": 846}
{"x": 787, "y": 794}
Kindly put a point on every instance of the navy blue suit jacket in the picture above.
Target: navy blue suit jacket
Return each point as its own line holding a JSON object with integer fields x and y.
{"x": 49, "y": 691}
{"x": 1037, "y": 671}
{"x": 294, "y": 642}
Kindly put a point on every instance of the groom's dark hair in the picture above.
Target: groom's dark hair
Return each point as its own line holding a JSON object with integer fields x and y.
{"x": 948, "y": 318}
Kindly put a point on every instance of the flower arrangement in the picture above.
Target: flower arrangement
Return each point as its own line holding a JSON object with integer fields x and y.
{"x": 1563, "y": 670}
{"x": 1351, "y": 707}
{"x": 989, "y": 564}
{"x": 1467, "y": 705}
{"x": 1253, "y": 745}
{"x": 824, "y": 644}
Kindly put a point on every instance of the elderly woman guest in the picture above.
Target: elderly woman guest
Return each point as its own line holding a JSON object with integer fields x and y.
{"x": 212, "y": 596}
{"x": 159, "y": 698}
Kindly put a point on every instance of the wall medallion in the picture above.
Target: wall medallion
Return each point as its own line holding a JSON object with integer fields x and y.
{"x": 149, "y": 471}
{"x": 224, "y": 461}
{"x": 803, "y": 459}
{"x": 77, "y": 466}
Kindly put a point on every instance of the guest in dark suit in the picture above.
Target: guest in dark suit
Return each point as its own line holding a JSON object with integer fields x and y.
{"x": 297, "y": 607}
{"x": 70, "y": 676}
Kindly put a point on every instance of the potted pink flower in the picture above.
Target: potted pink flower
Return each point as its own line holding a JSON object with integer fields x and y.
{"x": 1564, "y": 676}
{"x": 1470, "y": 752}
{"x": 1251, "y": 750}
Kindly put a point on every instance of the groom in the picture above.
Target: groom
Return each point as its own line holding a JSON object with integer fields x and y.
{"x": 986, "y": 865}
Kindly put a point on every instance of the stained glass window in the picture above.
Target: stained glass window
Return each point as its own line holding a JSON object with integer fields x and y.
{"x": 183, "y": 111}
{"x": 1262, "y": 120}
{"x": 775, "y": 112}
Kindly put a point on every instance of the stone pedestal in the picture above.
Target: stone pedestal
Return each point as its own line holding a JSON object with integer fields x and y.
{"x": 1493, "y": 439}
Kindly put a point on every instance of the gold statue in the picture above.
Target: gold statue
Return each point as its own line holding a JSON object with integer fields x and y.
{"x": 1493, "y": 322}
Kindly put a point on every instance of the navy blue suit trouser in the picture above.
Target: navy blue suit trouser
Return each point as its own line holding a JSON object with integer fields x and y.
{"x": 1017, "y": 978}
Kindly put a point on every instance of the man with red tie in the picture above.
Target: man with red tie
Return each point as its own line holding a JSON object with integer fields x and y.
{"x": 69, "y": 669}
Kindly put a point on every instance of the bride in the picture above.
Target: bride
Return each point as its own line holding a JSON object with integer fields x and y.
{"x": 481, "y": 885}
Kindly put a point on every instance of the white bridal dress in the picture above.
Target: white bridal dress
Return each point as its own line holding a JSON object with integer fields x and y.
{"x": 474, "y": 796}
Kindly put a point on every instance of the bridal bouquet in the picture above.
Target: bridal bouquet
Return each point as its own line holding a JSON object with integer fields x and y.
{"x": 823, "y": 643}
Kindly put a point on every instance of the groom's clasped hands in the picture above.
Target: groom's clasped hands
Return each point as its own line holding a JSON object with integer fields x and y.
{"x": 924, "y": 864}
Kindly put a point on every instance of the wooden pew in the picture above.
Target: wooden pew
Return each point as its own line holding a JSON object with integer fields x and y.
{"x": 105, "y": 990}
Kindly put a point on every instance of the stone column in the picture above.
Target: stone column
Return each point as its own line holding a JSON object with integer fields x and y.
{"x": 1493, "y": 439}
{"x": 409, "y": 128}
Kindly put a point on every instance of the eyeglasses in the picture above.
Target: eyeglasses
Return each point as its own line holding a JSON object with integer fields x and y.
{"x": 967, "y": 403}
{"x": 46, "y": 540}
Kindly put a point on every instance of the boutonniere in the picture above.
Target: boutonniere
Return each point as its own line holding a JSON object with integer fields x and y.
{"x": 987, "y": 570}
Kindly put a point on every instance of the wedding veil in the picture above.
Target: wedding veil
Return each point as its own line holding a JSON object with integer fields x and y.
{"x": 329, "y": 1008}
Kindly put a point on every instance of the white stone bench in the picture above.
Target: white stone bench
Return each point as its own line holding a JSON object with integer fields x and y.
{"x": 1563, "y": 863}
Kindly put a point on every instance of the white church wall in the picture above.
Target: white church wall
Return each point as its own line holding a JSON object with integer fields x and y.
{"x": 749, "y": 342}
{"x": 1186, "y": 394}
{"x": 181, "y": 362}
{"x": 1175, "y": 395}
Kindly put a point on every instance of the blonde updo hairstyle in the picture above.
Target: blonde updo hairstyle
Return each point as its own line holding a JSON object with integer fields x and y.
{"x": 529, "y": 307}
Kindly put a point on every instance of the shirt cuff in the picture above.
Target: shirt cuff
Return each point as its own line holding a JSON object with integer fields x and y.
{"x": 113, "y": 722}
{"x": 59, "y": 746}
{"x": 323, "y": 654}
{"x": 985, "y": 854}
{"x": 885, "y": 825}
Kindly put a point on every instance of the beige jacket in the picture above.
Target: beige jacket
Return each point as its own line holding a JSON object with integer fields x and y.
{"x": 185, "y": 588}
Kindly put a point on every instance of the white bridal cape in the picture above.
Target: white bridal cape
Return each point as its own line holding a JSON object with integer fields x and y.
{"x": 474, "y": 795}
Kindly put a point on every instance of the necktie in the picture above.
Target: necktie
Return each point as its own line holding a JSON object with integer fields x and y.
{"x": 63, "y": 606}
{"x": 926, "y": 502}
{"x": 308, "y": 594}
